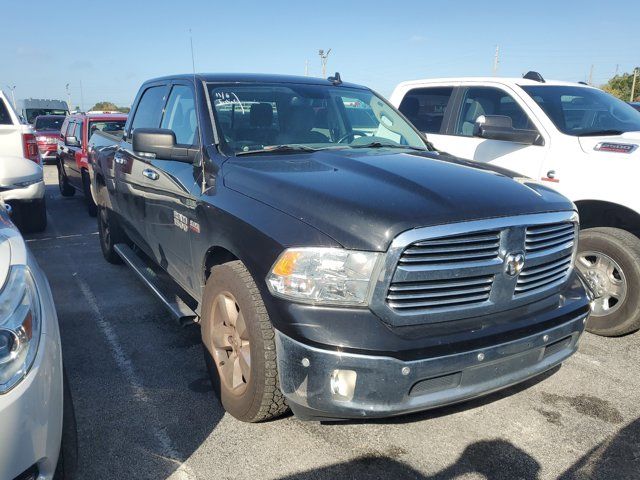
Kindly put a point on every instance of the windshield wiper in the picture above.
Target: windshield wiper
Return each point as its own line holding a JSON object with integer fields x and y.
{"x": 388, "y": 145}
{"x": 280, "y": 149}
{"x": 596, "y": 133}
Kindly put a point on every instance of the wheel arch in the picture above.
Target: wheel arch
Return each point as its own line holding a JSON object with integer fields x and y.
{"x": 216, "y": 255}
{"x": 599, "y": 213}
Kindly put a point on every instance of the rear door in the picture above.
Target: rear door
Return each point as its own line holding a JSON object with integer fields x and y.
{"x": 172, "y": 189}
{"x": 474, "y": 101}
{"x": 132, "y": 187}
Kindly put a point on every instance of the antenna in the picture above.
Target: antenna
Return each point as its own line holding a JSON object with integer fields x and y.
{"x": 203, "y": 183}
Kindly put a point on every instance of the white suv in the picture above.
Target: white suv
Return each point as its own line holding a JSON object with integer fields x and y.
{"x": 572, "y": 137}
{"x": 21, "y": 182}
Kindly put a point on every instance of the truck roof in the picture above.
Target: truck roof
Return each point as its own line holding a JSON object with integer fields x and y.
{"x": 253, "y": 78}
{"x": 519, "y": 81}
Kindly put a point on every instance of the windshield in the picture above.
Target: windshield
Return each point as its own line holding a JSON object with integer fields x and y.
{"x": 259, "y": 117}
{"x": 49, "y": 123}
{"x": 581, "y": 111}
{"x": 32, "y": 113}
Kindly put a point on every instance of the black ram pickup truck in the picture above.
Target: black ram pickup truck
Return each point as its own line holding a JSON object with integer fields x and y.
{"x": 338, "y": 265}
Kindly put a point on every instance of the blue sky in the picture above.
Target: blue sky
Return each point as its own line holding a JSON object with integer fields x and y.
{"x": 113, "y": 46}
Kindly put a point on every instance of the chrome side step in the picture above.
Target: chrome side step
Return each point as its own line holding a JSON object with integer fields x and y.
{"x": 159, "y": 283}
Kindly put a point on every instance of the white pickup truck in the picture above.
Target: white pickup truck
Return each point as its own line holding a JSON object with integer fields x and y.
{"x": 21, "y": 182}
{"x": 570, "y": 136}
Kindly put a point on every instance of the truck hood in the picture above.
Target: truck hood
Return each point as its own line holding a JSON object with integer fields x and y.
{"x": 364, "y": 198}
{"x": 632, "y": 139}
{"x": 15, "y": 170}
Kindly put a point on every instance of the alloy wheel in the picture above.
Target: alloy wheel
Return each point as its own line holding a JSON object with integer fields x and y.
{"x": 606, "y": 279}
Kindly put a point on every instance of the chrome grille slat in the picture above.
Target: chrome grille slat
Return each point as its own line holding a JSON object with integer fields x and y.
{"x": 533, "y": 271}
{"x": 552, "y": 236}
{"x": 438, "y": 293}
{"x": 399, "y": 287}
{"x": 542, "y": 283}
{"x": 542, "y": 276}
{"x": 469, "y": 247}
{"x": 441, "y": 302}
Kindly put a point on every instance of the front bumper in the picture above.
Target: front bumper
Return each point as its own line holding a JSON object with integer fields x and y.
{"x": 31, "y": 413}
{"x": 35, "y": 191}
{"x": 386, "y": 386}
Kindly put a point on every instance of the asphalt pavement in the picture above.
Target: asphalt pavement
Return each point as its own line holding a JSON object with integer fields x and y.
{"x": 146, "y": 410}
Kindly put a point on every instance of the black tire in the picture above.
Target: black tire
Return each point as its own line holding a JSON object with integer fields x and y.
{"x": 623, "y": 248}
{"x": 262, "y": 399}
{"x": 110, "y": 233}
{"x": 31, "y": 217}
{"x": 66, "y": 190}
{"x": 68, "y": 457}
{"x": 92, "y": 208}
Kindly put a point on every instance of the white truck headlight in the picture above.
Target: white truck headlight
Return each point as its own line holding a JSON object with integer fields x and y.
{"x": 331, "y": 276}
{"x": 19, "y": 326}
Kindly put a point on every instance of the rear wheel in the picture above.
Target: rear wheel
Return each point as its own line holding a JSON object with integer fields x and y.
{"x": 31, "y": 217}
{"x": 66, "y": 190}
{"x": 609, "y": 260}
{"x": 92, "y": 208}
{"x": 110, "y": 233}
{"x": 239, "y": 344}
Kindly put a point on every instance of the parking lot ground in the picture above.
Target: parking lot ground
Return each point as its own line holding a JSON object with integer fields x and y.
{"x": 145, "y": 408}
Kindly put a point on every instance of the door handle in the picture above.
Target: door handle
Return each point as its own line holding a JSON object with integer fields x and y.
{"x": 150, "y": 174}
{"x": 119, "y": 158}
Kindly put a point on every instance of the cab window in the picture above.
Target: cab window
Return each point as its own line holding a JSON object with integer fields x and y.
{"x": 5, "y": 118}
{"x": 180, "y": 115}
{"x": 425, "y": 107}
{"x": 149, "y": 108}
{"x": 479, "y": 101}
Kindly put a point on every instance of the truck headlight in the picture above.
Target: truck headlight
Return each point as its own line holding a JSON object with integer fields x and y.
{"x": 331, "y": 276}
{"x": 19, "y": 326}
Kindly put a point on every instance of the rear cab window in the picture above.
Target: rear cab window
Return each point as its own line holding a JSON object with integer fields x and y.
{"x": 426, "y": 107}
{"x": 5, "y": 116}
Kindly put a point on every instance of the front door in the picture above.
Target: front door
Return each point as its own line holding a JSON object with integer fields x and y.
{"x": 173, "y": 190}
{"x": 458, "y": 139}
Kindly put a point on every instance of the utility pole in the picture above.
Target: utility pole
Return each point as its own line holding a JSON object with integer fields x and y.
{"x": 306, "y": 68}
{"x": 617, "y": 69}
{"x": 69, "y": 104}
{"x": 81, "y": 97}
{"x": 13, "y": 96}
{"x": 590, "y": 82}
{"x": 633, "y": 85}
{"x": 323, "y": 61}
{"x": 496, "y": 60}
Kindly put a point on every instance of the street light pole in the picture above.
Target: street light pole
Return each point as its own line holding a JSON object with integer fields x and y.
{"x": 323, "y": 61}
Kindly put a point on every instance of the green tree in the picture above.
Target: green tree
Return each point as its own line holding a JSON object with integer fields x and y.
{"x": 108, "y": 107}
{"x": 620, "y": 86}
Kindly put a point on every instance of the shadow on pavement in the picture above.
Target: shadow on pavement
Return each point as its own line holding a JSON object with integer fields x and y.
{"x": 494, "y": 459}
{"x": 617, "y": 457}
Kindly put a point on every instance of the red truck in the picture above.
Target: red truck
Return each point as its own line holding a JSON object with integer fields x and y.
{"x": 73, "y": 174}
{"x": 47, "y": 129}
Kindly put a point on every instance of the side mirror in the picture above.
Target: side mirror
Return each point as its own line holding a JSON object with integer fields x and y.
{"x": 500, "y": 127}
{"x": 71, "y": 141}
{"x": 161, "y": 143}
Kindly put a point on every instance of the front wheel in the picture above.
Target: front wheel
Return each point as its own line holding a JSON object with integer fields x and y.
{"x": 239, "y": 344}
{"x": 609, "y": 260}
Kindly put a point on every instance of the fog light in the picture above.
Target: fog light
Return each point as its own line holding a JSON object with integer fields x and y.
{"x": 343, "y": 384}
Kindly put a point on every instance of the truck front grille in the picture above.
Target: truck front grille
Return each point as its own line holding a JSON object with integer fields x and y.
{"x": 456, "y": 271}
{"x": 455, "y": 249}
{"x": 434, "y": 294}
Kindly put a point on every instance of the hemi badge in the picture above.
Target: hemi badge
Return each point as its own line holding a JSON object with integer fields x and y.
{"x": 615, "y": 147}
